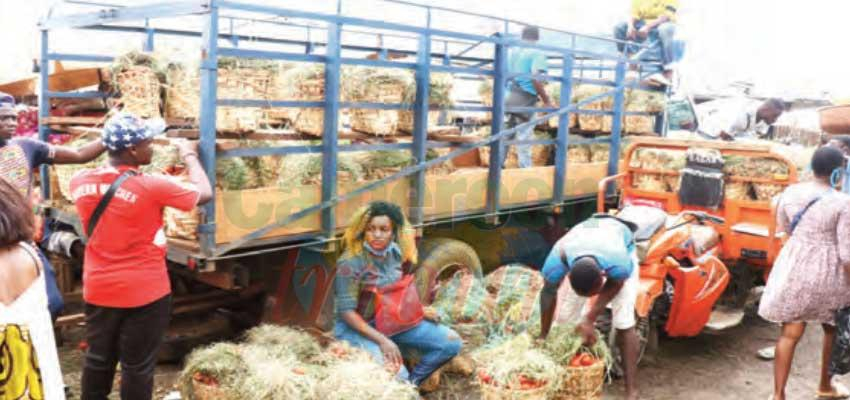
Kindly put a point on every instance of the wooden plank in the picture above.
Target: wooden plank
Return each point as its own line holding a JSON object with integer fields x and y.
{"x": 63, "y": 81}
{"x": 73, "y": 120}
{"x": 454, "y": 138}
{"x": 265, "y": 134}
{"x": 716, "y": 144}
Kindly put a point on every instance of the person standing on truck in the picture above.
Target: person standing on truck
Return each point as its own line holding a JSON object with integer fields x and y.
{"x": 125, "y": 282}
{"x": 379, "y": 249}
{"x": 524, "y": 91}
{"x": 599, "y": 258}
{"x": 19, "y": 157}
{"x": 809, "y": 279}
{"x": 738, "y": 118}
{"x": 654, "y": 20}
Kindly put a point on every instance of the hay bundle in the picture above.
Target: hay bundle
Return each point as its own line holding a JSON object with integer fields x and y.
{"x": 767, "y": 191}
{"x": 650, "y": 183}
{"x": 362, "y": 380}
{"x": 541, "y": 155}
{"x": 277, "y": 376}
{"x": 341, "y": 350}
{"x": 513, "y": 368}
{"x": 554, "y": 92}
{"x": 217, "y": 372}
{"x": 737, "y": 191}
{"x": 182, "y": 92}
{"x": 138, "y": 78}
{"x": 297, "y": 342}
{"x": 439, "y": 97}
{"x": 306, "y": 169}
{"x": 658, "y": 159}
{"x": 376, "y": 86}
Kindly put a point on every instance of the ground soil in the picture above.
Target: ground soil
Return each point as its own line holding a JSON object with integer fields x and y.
{"x": 707, "y": 367}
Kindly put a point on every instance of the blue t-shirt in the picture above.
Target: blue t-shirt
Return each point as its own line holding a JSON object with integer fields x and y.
{"x": 527, "y": 61}
{"x": 609, "y": 241}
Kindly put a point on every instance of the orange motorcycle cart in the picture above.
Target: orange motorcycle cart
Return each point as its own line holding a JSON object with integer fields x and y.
{"x": 690, "y": 256}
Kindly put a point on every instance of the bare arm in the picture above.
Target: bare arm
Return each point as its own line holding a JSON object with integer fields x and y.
{"x": 541, "y": 91}
{"x": 586, "y": 327}
{"x": 548, "y": 300}
{"x": 189, "y": 154}
{"x": 82, "y": 155}
{"x": 391, "y": 352}
{"x": 655, "y": 23}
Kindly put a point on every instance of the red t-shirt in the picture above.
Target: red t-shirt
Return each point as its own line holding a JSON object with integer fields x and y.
{"x": 125, "y": 257}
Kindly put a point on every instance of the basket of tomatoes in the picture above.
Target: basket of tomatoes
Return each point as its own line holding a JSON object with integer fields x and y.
{"x": 522, "y": 388}
{"x": 583, "y": 378}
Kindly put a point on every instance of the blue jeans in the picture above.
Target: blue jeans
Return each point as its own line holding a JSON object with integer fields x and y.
{"x": 666, "y": 48}
{"x": 435, "y": 344}
{"x": 55, "y": 304}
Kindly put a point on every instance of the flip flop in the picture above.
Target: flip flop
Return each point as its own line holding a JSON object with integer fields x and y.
{"x": 767, "y": 353}
{"x": 839, "y": 391}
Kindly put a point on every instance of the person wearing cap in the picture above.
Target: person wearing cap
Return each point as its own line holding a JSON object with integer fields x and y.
{"x": 599, "y": 257}
{"x": 654, "y": 20}
{"x": 525, "y": 90}
{"x": 19, "y": 157}
{"x": 126, "y": 289}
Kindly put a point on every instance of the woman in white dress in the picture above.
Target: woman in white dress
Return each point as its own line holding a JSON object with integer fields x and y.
{"x": 29, "y": 365}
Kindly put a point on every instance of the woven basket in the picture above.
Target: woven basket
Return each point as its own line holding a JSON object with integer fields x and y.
{"x": 279, "y": 89}
{"x": 490, "y": 392}
{"x": 582, "y": 383}
{"x": 766, "y": 191}
{"x": 737, "y": 191}
{"x": 140, "y": 91}
{"x": 540, "y": 156}
{"x": 64, "y": 173}
{"x": 242, "y": 83}
{"x": 553, "y": 122}
{"x": 64, "y": 269}
{"x": 374, "y": 122}
{"x": 405, "y": 120}
{"x": 578, "y": 154}
{"x": 183, "y": 94}
{"x": 310, "y": 121}
{"x": 650, "y": 183}
{"x": 639, "y": 124}
{"x": 181, "y": 224}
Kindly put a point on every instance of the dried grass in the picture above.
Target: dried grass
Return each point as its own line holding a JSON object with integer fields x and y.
{"x": 362, "y": 380}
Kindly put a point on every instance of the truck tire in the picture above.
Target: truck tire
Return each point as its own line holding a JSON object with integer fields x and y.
{"x": 439, "y": 259}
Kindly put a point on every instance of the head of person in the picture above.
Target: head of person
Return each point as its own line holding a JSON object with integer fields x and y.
{"x": 586, "y": 277}
{"x": 770, "y": 110}
{"x": 16, "y": 217}
{"x": 828, "y": 164}
{"x": 531, "y": 33}
{"x": 378, "y": 225}
{"x": 840, "y": 142}
{"x": 8, "y": 117}
{"x": 128, "y": 138}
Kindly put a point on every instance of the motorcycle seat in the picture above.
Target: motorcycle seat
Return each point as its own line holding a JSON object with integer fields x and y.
{"x": 649, "y": 220}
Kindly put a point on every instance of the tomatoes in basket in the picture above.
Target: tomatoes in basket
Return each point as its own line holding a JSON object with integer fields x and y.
{"x": 484, "y": 378}
{"x": 582, "y": 360}
{"x": 526, "y": 383}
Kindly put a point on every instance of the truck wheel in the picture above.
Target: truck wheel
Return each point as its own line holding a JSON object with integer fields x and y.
{"x": 439, "y": 259}
{"x": 647, "y": 339}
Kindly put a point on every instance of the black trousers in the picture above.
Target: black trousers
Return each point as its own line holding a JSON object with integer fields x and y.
{"x": 131, "y": 336}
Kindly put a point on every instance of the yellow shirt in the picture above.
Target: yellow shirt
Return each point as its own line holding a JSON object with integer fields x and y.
{"x": 649, "y": 10}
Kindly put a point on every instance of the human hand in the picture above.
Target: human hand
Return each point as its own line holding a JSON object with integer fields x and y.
{"x": 431, "y": 314}
{"x": 392, "y": 355}
{"x": 642, "y": 33}
{"x": 587, "y": 332}
{"x": 631, "y": 33}
{"x": 549, "y": 104}
{"x": 185, "y": 147}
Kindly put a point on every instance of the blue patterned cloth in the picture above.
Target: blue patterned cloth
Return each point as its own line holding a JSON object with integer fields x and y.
{"x": 124, "y": 130}
{"x": 6, "y": 100}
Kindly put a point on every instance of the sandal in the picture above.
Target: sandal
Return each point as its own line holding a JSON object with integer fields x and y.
{"x": 839, "y": 391}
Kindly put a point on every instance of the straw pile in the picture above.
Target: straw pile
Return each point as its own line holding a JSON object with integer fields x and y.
{"x": 138, "y": 77}
{"x": 64, "y": 172}
{"x": 182, "y": 92}
{"x": 594, "y": 123}
{"x": 439, "y": 97}
{"x": 243, "y": 79}
{"x": 376, "y": 86}
{"x": 554, "y": 91}
{"x": 283, "y": 363}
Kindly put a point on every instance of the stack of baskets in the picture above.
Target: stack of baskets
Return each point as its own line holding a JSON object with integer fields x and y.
{"x": 309, "y": 85}
{"x": 183, "y": 93}
{"x": 492, "y": 392}
{"x": 376, "y": 86}
{"x": 140, "y": 91}
{"x": 439, "y": 97}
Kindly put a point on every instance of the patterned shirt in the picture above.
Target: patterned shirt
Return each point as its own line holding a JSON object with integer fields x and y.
{"x": 19, "y": 158}
{"x": 649, "y": 10}
{"x": 357, "y": 273}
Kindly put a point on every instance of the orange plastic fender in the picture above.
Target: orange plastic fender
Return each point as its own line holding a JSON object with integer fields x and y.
{"x": 696, "y": 289}
{"x": 666, "y": 243}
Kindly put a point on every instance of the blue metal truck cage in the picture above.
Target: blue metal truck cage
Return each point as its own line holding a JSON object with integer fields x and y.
{"x": 220, "y": 37}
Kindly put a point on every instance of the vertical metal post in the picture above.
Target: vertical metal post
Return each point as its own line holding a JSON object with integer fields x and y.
{"x": 234, "y": 38}
{"x": 209, "y": 80}
{"x": 330, "y": 134}
{"x": 420, "y": 124}
{"x": 308, "y": 48}
{"x": 617, "y": 125}
{"x": 149, "y": 33}
{"x": 447, "y": 61}
{"x": 563, "y": 130}
{"x": 44, "y": 107}
{"x": 494, "y": 179}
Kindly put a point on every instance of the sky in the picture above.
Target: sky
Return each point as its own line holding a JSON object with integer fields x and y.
{"x": 785, "y": 47}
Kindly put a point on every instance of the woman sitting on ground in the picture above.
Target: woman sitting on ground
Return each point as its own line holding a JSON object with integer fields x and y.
{"x": 809, "y": 280}
{"x": 378, "y": 245}
{"x": 30, "y": 365}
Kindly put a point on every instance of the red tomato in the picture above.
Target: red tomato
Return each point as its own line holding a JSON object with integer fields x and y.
{"x": 576, "y": 361}
{"x": 587, "y": 360}
{"x": 483, "y": 377}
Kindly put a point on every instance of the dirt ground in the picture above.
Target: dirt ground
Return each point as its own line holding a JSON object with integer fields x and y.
{"x": 707, "y": 367}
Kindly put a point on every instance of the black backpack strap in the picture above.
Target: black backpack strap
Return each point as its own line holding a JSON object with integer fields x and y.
{"x": 104, "y": 201}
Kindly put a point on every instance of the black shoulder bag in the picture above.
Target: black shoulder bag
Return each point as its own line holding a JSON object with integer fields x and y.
{"x": 104, "y": 201}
